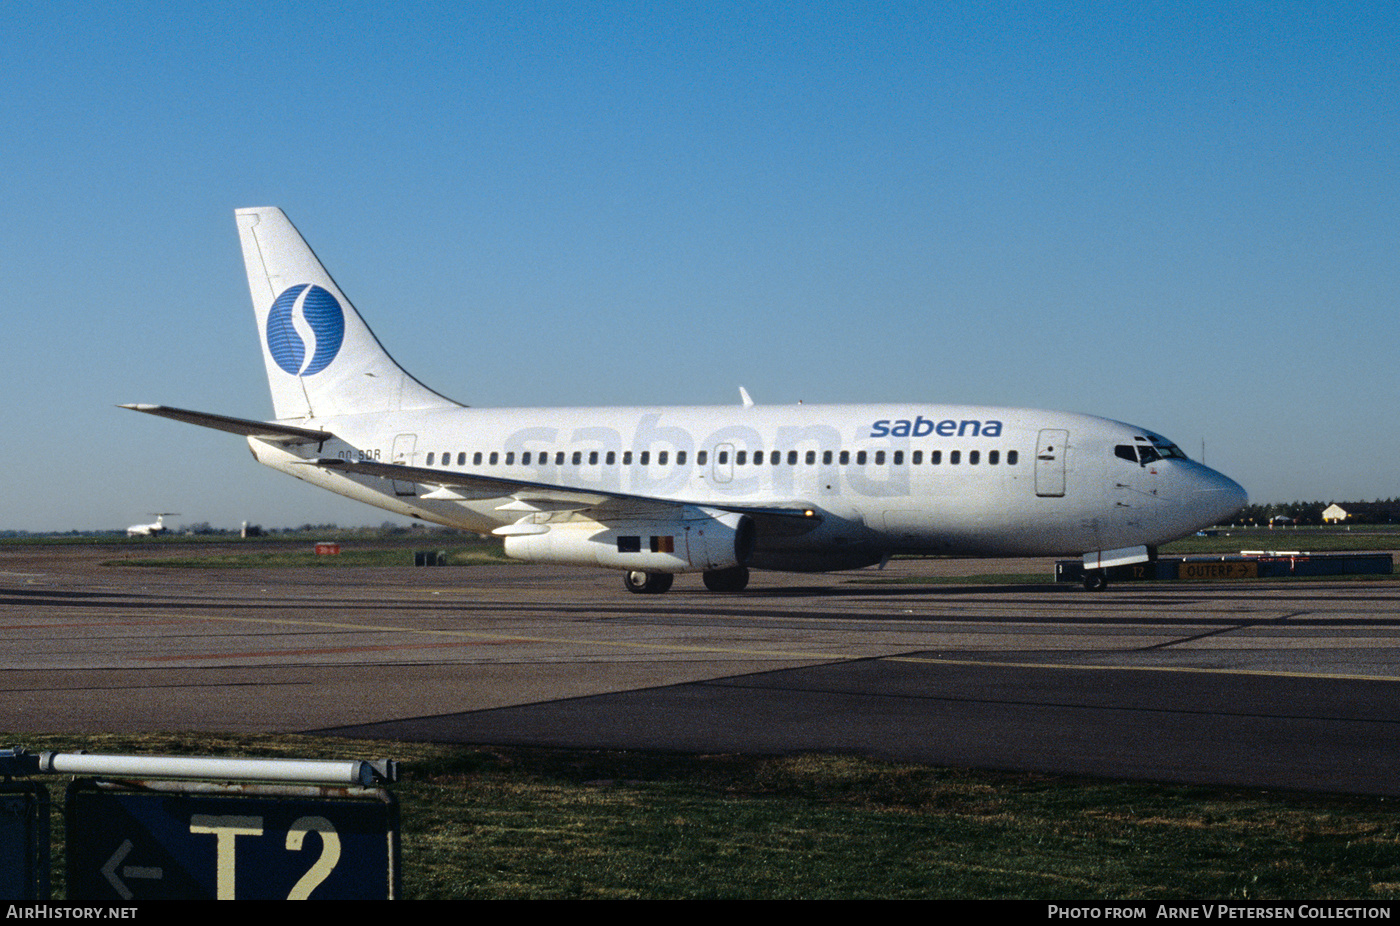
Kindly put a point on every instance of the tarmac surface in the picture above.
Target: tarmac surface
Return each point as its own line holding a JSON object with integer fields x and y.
{"x": 1276, "y": 684}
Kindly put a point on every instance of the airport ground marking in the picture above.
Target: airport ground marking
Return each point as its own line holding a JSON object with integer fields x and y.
{"x": 502, "y": 638}
{"x": 89, "y": 625}
{"x": 740, "y": 651}
{"x": 324, "y": 650}
{"x": 1194, "y": 670}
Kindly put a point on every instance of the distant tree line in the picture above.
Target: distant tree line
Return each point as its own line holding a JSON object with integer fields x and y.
{"x": 1380, "y": 511}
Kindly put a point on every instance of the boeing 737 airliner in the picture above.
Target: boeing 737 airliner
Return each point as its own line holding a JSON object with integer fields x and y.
{"x": 655, "y": 492}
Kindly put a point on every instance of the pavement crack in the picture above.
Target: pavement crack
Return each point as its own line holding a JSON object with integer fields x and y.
{"x": 1281, "y": 619}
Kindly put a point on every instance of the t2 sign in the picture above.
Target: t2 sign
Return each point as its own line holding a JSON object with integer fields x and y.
{"x": 140, "y": 845}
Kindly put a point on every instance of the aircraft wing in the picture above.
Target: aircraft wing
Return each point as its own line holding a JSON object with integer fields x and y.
{"x": 262, "y": 430}
{"x": 601, "y": 504}
{"x": 468, "y": 485}
{"x": 526, "y": 497}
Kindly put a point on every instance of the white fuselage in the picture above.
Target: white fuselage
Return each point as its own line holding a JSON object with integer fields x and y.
{"x": 656, "y": 492}
{"x": 958, "y": 480}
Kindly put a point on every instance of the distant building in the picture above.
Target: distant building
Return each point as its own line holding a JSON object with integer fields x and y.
{"x": 1374, "y": 512}
{"x": 1363, "y": 512}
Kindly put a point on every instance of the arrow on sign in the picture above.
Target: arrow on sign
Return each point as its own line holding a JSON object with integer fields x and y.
{"x": 109, "y": 870}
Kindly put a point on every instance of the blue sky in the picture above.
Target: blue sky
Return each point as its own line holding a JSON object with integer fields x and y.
{"x": 1179, "y": 215}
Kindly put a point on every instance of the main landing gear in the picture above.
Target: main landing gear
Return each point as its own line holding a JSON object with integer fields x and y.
{"x": 727, "y": 580}
{"x": 716, "y": 580}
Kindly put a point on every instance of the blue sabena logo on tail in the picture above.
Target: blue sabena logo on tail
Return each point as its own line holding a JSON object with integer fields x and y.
{"x": 305, "y": 328}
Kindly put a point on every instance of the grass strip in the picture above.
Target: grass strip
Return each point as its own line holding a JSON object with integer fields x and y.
{"x": 470, "y": 556}
{"x": 516, "y": 823}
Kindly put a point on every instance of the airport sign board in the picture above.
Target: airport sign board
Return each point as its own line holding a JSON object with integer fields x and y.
{"x": 131, "y": 845}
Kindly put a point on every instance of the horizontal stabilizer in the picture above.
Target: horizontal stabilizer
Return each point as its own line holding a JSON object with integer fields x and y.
{"x": 263, "y": 430}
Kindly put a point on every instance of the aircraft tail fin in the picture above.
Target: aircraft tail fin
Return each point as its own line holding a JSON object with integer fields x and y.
{"x": 321, "y": 357}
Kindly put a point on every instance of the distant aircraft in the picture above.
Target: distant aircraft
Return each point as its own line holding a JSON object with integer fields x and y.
{"x": 152, "y": 530}
{"x": 657, "y": 491}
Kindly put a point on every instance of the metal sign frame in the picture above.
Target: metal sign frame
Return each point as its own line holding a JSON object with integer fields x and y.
{"x": 24, "y": 841}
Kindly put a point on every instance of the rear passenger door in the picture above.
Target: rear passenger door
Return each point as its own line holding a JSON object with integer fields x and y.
{"x": 404, "y": 445}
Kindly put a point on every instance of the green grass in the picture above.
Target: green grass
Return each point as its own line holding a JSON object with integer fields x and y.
{"x": 994, "y": 578}
{"x": 508, "y": 823}
{"x": 476, "y": 554}
{"x": 1304, "y": 539}
{"x": 367, "y": 547}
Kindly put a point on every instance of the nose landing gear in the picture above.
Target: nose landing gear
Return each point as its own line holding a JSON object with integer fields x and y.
{"x": 647, "y": 583}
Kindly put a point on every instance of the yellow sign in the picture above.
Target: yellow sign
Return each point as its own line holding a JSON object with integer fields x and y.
{"x": 1219, "y": 571}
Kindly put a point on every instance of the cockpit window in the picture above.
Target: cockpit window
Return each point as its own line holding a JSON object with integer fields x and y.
{"x": 1149, "y": 449}
{"x": 1166, "y": 448}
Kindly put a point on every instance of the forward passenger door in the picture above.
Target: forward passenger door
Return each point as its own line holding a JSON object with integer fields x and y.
{"x": 1050, "y": 450}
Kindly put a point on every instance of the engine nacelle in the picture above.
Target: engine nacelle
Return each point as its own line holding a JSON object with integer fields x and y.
{"x": 703, "y": 540}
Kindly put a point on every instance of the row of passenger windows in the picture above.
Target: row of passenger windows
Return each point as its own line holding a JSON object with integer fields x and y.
{"x": 723, "y": 457}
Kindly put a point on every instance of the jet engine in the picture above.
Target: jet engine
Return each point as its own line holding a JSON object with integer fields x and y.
{"x": 702, "y": 540}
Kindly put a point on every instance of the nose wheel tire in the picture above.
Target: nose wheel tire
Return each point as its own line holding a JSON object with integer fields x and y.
{"x": 647, "y": 583}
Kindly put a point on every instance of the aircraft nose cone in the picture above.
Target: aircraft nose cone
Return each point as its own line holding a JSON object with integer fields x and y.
{"x": 1221, "y": 498}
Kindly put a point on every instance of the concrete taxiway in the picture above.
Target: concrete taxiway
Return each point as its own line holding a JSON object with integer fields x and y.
{"x": 1268, "y": 684}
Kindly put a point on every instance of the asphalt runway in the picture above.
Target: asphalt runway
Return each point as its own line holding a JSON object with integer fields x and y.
{"x": 1261, "y": 683}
